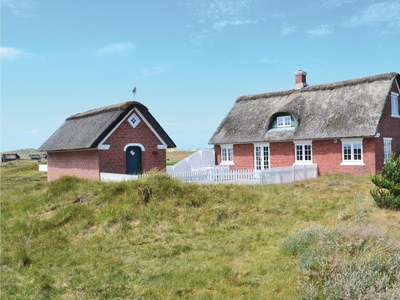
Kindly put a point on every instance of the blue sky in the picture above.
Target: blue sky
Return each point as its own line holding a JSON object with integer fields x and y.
{"x": 190, "y": 59}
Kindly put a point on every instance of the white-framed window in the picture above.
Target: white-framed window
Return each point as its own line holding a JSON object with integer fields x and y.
{"x": 303, "y": 151}
{"x": 261, "y": 156}
{"x": 387, "y": 148}
{"x": 227, "y": 154}
{"x": 284, "y": 121}
{"x": 395, "y": 104}
{"x": 352, "y": 152}
{"x": 134, "y": 120}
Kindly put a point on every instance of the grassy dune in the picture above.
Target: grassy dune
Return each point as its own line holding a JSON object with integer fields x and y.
{"x": 157, "y": 238}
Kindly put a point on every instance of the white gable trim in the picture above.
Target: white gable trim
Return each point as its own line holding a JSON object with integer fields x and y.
{"x": 397, "y": 84}
{"x": 163, "y": 144}
{"x": 134, "y": 144}
{"x": 103, "y": 146}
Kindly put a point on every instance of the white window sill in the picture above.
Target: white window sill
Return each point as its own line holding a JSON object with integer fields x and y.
{"x": 352, "y": 163}
{"x": 395, "y": 116}
{"x": 227, "y": 163}
{"x": 281, "y": 129}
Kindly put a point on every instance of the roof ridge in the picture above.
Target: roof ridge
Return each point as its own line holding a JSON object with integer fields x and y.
{"x": 97, "y": 111}
{"x": 323, "y": 86}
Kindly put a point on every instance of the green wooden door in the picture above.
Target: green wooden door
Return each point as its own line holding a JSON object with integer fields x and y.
{"x": 133, "y": 160}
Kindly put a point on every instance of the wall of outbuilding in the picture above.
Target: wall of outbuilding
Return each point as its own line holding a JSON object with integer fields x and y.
{"x": 113, "y": 160}
{"x": 83, "y": 164}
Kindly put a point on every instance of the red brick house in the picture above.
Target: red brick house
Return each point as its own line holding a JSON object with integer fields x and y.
{"x": 123, "y": 138}
{"x": 344, "y": 127}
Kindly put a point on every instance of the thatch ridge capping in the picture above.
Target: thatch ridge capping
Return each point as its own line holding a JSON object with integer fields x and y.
{"x": 93, "y": 112}
{"x": 320, "y": 87}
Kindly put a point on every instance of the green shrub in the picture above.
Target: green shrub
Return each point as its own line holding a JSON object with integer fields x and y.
{"x": 387, "y": 192}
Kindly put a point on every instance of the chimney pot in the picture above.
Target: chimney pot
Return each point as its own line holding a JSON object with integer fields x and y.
{"x": 300, "y": 80}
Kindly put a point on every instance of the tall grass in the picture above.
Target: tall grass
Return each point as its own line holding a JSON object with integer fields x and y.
{"x": 160, "y": 238}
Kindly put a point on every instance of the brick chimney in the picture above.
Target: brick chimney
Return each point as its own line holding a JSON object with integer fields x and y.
{"x": 300, "y": 80}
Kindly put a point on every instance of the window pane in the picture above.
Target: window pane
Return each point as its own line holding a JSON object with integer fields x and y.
{"x": 299, "y": 152}
{"x": 357, "y": 151}
{"x": 387, "y": 149}
{"x": 223, "y": 154}
{"x": 266, "y": 158}
{"x": 346, "y": 151}
{"x": 307, "y": 152}
{"x": 395, "y": 105}
{"x": 230, "y": 154}
{"x": 258, "y": 158}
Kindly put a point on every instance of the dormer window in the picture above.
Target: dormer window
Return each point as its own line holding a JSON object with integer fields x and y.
{"x": 284, "y": 121}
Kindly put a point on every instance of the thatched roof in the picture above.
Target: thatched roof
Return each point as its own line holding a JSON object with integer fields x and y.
{"x": 345, "y": 109}
{"x": 86, "y": 130}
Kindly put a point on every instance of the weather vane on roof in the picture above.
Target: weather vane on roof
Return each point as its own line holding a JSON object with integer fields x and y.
{"x": 134, "y": 93}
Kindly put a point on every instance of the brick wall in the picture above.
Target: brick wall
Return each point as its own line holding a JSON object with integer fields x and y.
{"x": 389, "y": 127}
{"x": 114, "y": 159}
{"x": 327, "y": 154}
{"x": 83, "y": 164}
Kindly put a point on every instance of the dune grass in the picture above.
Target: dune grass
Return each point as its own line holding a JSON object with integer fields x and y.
{"x": 157, "y": 238}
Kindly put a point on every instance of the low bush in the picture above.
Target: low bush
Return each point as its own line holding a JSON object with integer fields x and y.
{"x": 387, "y": 191}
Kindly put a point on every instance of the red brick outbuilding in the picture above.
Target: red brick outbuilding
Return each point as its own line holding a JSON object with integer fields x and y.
{"x": 123, "y": 139}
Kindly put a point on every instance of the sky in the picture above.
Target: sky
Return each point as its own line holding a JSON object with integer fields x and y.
{"x": 188, "y": 59}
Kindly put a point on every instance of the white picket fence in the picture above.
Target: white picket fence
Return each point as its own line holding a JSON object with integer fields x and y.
{"x": 217, "y": 174}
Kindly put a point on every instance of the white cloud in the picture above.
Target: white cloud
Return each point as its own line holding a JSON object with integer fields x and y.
{"x": 266, "y": 60}
{"x": 216, "y": 9}
{"x": 116, "y": 48}
{"x": 20, "y": 8}
{"x": 216, "y": 15}
{"x": 10, "y": 53}
{"x": 279, "y": 15}
{"x": 321, "y": 30}
{"x": 198, "y": 38}
{"x": 221, "y": 24}
{"x": 289, "y": 29}
{"x": 383, "y": 14}
{"x": 154, "y": 71}
{"x": 335, "y": 3}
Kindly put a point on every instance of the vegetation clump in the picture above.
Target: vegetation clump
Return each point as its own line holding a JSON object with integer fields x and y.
{"x": 357, "y": 262}
{"x": 387, "y": 191}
